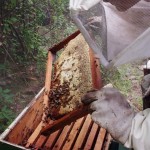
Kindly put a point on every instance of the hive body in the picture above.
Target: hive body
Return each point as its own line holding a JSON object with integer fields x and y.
{"x": 72, "y": 78}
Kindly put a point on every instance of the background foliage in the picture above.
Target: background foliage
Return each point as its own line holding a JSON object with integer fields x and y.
{"x": 27, "y": 29}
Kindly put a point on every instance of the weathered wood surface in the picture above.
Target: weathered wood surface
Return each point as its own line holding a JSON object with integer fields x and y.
{"x": 34, "y": 135}
{"x": 23, "y": 128}
{"x": 52, "y": 140}
{"x": 91, "y": 137}
{"x": 63, "y": 43}
{"x": 100, "y": 139}
{"x": 73, "y": 134}
{"x": 66, "y": 120}
{"x": 47, "y": 88}
{"x": 81, "y": 134}
{"x": 95, "y": 69}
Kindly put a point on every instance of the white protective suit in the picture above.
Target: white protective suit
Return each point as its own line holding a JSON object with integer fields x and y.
{"x": 126, "y": 32}
{"x": 124, "y": 27}
{"x": 110, "y": 110}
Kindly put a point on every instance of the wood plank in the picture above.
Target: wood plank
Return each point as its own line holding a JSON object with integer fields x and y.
{"x": 91, "y": 137}
{"x": 67, "y": 119}
{"x": 100, "y": 139}
{"x": 34, "y": 135}
{"x": 99, "y": 83}
{"x": 83, "y": 133}
{"x": 27, "y": 123}
{"x": 95, "y": 70}
{"x": 108, "y": 140}
{"x": 40, "y": 142}
{"x": 51, "y": 140}
{"x": 73, "y": 134}
{"x": 32, "y": 139}
{"x": 63, "y": 136}
{"x": 63, "y": 43}
{"x": 47, "y": 88}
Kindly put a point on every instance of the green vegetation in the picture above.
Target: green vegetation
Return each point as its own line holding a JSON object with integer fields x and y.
{"x": 126, "y": 79}
{"x": 21, "y": 40}
{"x": 6, "y": 114}
{"x": 27, "y": 29}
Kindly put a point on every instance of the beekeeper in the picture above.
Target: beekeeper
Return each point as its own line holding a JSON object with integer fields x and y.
{"x": 111, "y": 109}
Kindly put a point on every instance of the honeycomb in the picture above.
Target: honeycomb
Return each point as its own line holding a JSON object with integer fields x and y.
{"x": 71, "y": 79}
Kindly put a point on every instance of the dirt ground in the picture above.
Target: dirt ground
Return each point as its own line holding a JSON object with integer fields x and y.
{"x": 24, "y": 84}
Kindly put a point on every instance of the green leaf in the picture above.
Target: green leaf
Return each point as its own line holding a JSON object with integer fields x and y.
{"x": 6, "y": 91}
{"x": 32, "y": 46}
{"x": 1, "y": 89}
{"x": 13, "y": 20}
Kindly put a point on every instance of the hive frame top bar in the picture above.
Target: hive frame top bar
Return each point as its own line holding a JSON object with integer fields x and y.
{"x": 62, "y": 44}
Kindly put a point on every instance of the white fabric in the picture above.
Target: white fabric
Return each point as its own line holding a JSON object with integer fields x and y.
{"x": 139, "y": 138}
{"x": 124, "y": 27}
{"x": 80, "y": 5}
{"x": 140, "y": 49}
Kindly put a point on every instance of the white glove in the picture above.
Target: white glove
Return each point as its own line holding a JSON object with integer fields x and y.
{"x": 112, "y": 112}
{"x": 80, "y": 5}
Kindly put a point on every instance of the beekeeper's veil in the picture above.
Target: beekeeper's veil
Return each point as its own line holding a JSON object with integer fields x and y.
{"x": 116, "y": 36}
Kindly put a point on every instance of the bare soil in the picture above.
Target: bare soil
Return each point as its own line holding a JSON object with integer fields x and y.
{"x": 24, "y": 84}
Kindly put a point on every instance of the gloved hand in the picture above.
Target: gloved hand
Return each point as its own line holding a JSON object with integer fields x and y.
{"x": 111, "y": 111}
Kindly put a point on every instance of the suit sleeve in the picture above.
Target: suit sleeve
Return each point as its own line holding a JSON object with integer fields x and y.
{"x": 139, "y": 138}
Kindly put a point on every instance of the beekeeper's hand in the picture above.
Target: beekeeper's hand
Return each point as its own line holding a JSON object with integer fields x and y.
{"x": 112, "y": 112}
{"x": 123, "y": 5}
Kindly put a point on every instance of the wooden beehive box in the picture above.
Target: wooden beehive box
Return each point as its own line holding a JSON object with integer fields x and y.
{"x": 83, "y": 133}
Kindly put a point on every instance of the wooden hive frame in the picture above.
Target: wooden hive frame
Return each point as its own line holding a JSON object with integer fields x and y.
{"x": 63, "y": 133}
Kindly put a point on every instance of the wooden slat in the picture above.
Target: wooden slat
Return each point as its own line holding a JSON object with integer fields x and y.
{"x": 98, "y": 77}
{"x": 62, "y": 137}
{"x": 74, "y": 132}
{"x": 91, "y": 137}
{"x": 100, "y": 139}
{"x": 27, "y": 123}
{"x": 34, "y": 135}
{"x": 32, "y": 139}
{"x": 51, "y": 140}
{"x": 95, "y": 70}
{"x": 40, "y": 142}
{"x": 108, "y": 140}
{"x": 67, "y": 119}
{"x": 47, "y": 88}
{"x": 83, "y": 133}
{"x": 63, "y": 43}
